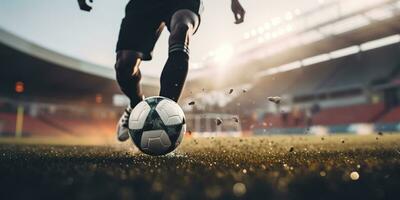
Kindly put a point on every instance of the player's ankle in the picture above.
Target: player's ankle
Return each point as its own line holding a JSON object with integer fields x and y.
{"x": 134, "y": 103}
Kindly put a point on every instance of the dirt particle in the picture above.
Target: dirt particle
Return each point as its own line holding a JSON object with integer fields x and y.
{"x": 219, "y": 121}
{"x": 276, "y": 100}
{"x": 354, "y": 176}
{"x": 239, "y": 189}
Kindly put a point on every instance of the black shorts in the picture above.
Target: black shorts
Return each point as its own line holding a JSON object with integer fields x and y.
{"x": 145, "y": 20}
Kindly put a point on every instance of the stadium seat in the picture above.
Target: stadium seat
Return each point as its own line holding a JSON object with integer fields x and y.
{"x": 392, "y": 116}
{"x": 349, "y": 114}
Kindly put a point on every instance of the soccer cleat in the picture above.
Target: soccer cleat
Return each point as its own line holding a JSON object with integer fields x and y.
{"x": 123, "y": 125}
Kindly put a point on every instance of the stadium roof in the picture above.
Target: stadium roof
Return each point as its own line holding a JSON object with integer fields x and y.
{"x": 51, "y": 76}
{"x": 303, "y": 42}
{"x": 61, "y": 60}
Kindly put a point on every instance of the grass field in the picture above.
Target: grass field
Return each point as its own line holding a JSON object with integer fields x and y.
{"x": 276, "y": 167}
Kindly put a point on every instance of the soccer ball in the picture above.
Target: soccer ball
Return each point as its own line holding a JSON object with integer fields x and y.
{"x": 157, "y": 125}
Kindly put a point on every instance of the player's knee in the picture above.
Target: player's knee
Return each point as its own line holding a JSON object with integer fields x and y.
{"x": 184, "y": 21}
{"x": 127, "y": 64}
{"x": 180, "y": 33}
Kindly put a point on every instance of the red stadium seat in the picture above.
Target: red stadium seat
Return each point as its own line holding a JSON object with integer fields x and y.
{"x": 349, "y": 114}
{"x": 58, "y": 126}
{"x": 392, "y": 116}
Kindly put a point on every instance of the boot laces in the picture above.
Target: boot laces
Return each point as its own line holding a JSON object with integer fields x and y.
{"x": 125, "y": 117}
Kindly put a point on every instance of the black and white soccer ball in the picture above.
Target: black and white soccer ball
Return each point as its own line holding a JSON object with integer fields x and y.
{"x": 157, "y": 125}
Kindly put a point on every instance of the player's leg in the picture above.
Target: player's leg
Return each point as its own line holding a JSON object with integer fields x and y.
{"x": 129, "y": 76}
{"x": 182, "y": 26}
{"x": 139, "y": 32}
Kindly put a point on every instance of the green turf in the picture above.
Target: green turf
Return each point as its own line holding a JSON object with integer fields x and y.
{"x": 279, "y": 167}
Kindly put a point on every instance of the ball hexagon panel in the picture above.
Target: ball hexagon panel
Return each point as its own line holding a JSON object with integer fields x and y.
{"x": 155, "y": 142}
{"x": 139, "y": 115}
{"x": 170, "y": 112}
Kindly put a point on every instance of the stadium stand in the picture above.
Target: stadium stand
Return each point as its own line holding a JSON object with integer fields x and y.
{"x": 62, "y": 96}
{"x": 32, "y": 127}
{"x": 349, "y": 114}
{"x": 309, "y": 79}
{"x": 392, "y": 116}
{"x": 350, "y": 79}
{"x": 352, "y": 72}
{"x": 353, "y": 76}
{"x": 57, "y": 126}
{"x": 361, "y": 70}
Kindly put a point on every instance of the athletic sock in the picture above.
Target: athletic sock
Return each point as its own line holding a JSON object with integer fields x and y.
{"x": 175, "y": 71}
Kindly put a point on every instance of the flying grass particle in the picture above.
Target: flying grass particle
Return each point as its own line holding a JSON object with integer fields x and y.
{"x": 322, "y": 173}
{"x": 239, "y": 189}
{"x": 192, "y": 103}
{"x": 230, "y": 91}
{"x": 276, "y": 100}
{"x": 219, "y": 121}
{"x": 354, "y": 176}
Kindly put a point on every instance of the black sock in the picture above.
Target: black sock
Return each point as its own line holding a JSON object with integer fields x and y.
{"x": 174, "y": 74}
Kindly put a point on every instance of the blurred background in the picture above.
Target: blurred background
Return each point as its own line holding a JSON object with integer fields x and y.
{"x": 295, "y": 67}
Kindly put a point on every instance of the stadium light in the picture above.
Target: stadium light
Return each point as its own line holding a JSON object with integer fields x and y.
{"x": 297, "y": 12}
{"x": 330, "y": 17}
{"x": 380, "y": 13}
{"x": 276, "y": 21}
{"x": 290, "y": 66}
{"x": 19, "y": 87}
{"x": 380, "y": 42}
{"x": 310, "y": 37}
{"x": 316, "y": 59}
{"x": 224, "y": 53}
{"x": 344, "y": 52}
{"x": 289, "y": 16}
{"x": 267, "y": 26}
{"x": 350, "y": 24}
{"x": 99, "y": 98}
{"x": 246, "y": 35}
{"x": 280, "y": 69}
{"x": 332, "y": 55}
